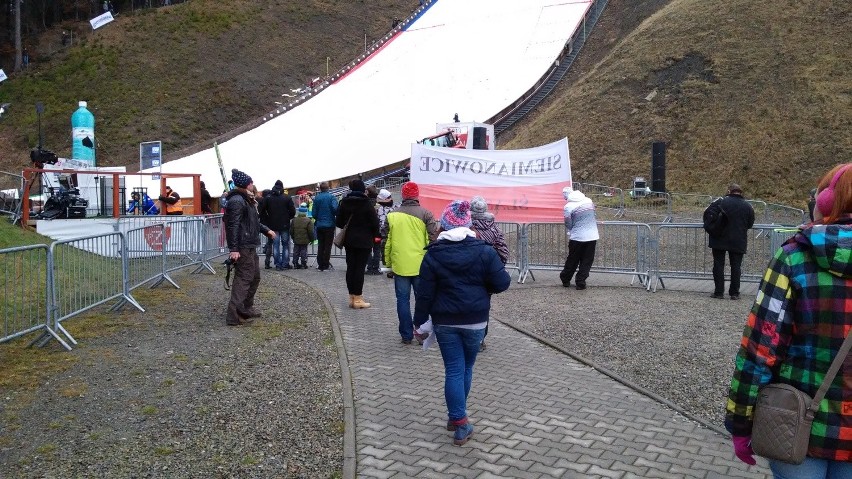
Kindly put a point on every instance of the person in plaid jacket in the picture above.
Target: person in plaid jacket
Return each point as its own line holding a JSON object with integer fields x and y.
{"x": 802, "y": 313}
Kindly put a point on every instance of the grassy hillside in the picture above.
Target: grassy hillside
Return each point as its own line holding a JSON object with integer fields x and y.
{"x": 184, "y": 74}
{"x": 752, "y": 91}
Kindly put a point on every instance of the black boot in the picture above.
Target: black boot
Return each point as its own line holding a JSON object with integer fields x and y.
{"x": 266, "y": 264}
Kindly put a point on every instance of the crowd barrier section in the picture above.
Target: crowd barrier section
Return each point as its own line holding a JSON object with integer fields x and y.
{"x": 26, "y": 292}
{"x": 609, "y": 201}
{"x": 146, "y": 259}
{"x": 623, "y": 248}
{"x": 512, "y": 235}
{"x": 214, "y": 242}
{"x": 760, "y": 211}
{"x": 84, "y": 273}
{"x": 683, "y": 252}
{"x": 653, "y": 207}
{"x": 689, "y": 208}
{"x": 785, "y": 215}
{"x": 182, "y": 244}
{"x": 43, "y": 286}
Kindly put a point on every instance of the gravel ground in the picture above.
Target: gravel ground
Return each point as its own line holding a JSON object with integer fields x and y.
{"x": 679, "y": 345}
{"x": 173, "y": 392}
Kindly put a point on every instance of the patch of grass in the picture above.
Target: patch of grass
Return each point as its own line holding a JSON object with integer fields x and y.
{"x": 265, "y": 331}
{"x": 45, "y": 449}
{"x": 167, "y": 383}
{"x": 94, "y": 436}
{"x": 164, "y": 451}
{"x": 249, "y": 460}
{"x": 149, "y": 410}
{"x": 26, "y": 368}
{"x": 54, "y": 425}
{"x": 74, "y": 390}
{"x": 12, "y": 236}
{"x": 339, "y": 427}
{"x": 219, "y": 386}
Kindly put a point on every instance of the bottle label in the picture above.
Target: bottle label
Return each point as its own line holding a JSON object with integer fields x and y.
{"x": 80, "y": 132}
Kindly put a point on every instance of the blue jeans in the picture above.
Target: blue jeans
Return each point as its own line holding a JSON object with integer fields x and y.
{"x": 402, "y": 285}
{"x": 812, "y": 468}
{"x": 459, "y": 348}
{"x": 281, "y": 255}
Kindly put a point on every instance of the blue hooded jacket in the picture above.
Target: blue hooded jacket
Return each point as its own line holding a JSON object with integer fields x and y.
{"x": 457, "y": 279}
{"x": 325, "y": 210}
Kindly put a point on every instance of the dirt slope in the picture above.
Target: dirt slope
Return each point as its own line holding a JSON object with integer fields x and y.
{"x": 755, "y": 92}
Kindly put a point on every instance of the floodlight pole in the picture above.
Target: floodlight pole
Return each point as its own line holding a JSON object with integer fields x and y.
{"x": 39, "y": 110}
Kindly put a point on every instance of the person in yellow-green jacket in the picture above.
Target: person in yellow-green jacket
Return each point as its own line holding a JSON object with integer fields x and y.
{"x": 408, "y": 230}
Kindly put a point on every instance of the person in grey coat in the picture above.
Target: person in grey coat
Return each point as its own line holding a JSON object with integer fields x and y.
{"x": 733, "y": 240}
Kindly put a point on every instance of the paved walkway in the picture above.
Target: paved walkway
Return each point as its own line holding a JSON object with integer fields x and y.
{"x": 536, "y": 411}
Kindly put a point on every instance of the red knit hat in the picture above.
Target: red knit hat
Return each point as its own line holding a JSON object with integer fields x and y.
{"x": 410, "y": 191}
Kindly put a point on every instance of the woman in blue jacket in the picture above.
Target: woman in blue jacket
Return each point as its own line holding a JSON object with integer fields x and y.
{"x": 458, "y": 275}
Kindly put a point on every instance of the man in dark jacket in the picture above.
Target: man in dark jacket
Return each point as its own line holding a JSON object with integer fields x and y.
{"x": 733, "y": 239}
{"x": 206, "y": 199}
{"x": 242, "y": 228}
{"x": 324, "y": 214}
{"x": 279, "y": 209}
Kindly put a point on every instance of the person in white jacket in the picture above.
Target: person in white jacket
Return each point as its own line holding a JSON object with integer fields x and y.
{"x": 581, "y": 226}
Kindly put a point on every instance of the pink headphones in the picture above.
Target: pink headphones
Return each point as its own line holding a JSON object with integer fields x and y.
{"x": 825, "y": 198}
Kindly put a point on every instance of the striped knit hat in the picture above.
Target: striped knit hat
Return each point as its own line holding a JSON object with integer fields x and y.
{"x": 456, "y": 214}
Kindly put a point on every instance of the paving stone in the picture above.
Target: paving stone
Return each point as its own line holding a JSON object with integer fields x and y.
{"x": 551, "y": 417}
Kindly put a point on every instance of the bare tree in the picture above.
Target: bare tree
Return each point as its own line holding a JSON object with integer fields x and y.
{"x": 18, "y": 49}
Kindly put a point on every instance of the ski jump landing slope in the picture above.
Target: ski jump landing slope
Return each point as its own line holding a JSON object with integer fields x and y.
{"x": 471, "y": 57}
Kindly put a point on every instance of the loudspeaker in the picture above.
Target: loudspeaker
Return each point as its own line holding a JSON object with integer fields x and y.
{"x": 480, "y": 139}
{"x": 658, "y": 166}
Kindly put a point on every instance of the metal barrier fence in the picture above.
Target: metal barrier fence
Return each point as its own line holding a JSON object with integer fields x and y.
{"x": 10, "y": 201}
{"x": 84, "y": 273}
{"x": 513, "y": 234}
{"x": 146, "y": 260}
{"x": 682, "y": 252}
{"x": 623, "y": 248}
{"x": 183, "y": 245}
{"x": 784, "y": 215}
{"x": 760, "y": 212}
{"x": 214, "y": 242}
{"x": 689, "y": 208}
{"x": 44, "y": 286}
{"x": 609, "y": 201}
{"x": 25, "y": 291}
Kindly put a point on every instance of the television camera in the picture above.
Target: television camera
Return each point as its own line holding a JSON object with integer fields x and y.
{"x": 40, "y": 157}
{"x": 64, "y": 202}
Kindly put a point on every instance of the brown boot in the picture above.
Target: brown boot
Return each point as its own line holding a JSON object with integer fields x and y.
{"x": 351, "y": 300}
{"x": 359, "y": 302}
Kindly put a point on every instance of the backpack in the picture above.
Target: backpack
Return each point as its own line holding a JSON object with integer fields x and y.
{"x": 715, "y": 219}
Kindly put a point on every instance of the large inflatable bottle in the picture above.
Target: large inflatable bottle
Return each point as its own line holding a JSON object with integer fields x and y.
{"x": 83, "y": 135}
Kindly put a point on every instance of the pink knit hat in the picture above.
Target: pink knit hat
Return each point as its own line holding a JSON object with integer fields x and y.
{"x": 456, "y": 214}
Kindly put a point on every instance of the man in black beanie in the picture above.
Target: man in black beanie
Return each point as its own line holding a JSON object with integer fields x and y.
{"x": 279, "y": 209}
{"x": 242, "y": 228}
